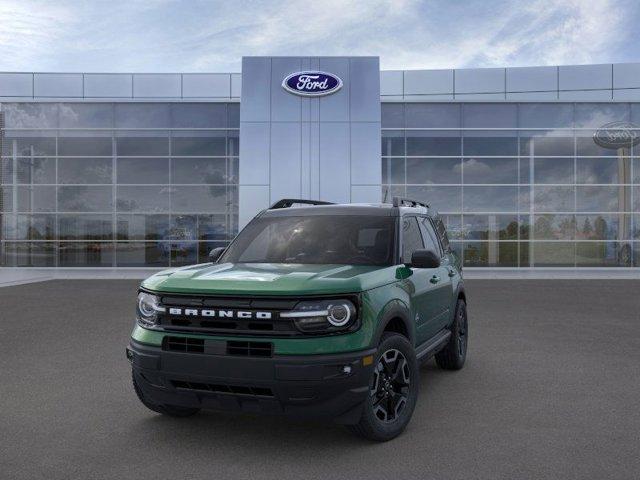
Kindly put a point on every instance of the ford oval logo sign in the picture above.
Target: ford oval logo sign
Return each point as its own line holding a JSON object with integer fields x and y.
{"x": 617, "y": 135}
{"x": 312, "y": 84}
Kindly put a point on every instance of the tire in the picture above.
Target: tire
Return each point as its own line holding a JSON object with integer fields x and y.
{"x": 392, "y": 398}
{"x": 454, "y": 354}
{"x": 169, "y": 410}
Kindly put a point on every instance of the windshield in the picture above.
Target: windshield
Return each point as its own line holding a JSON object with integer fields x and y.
{"x": 319, "y": 239}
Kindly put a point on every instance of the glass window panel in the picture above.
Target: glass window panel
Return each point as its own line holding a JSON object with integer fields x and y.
{"x": 636, "y": 199}
{"x": 199, "y": 170}
{"x": 141, "y": 254}
{"x": 433, "y": 143}
{"x": 90, "y": 146}
{"x": 233, "y": 143}
{"x": 180, "y": 252}
{"x": 545, "y": 115}
{"x": 6, "y": 170}
{"x": 635, "y": 233}
{"x": 524, "y": 248}
{"x": 393, "y": 170}
{"x": 490, "y": 170}
{"x": 85, "y": 170}
{"x": 142, "y": 115}
{"x": 453, "y": 224}
{"x": 34, "y": 227}
{"x": 491, "y": 144}
{"x": 199, "y": 115}
{"x": 213, "y": 144}
{"x": 32, "y": 146}
{"x": 546, "y": 144}
{"x": 603, "y": 254}
{"x": 85, "y": 199}
{"x": 524, "y": 198}
{"x": 490, "y": 227}
{"x": 36, "y": 199}
{"x": 441, "y": 199}
{"x": 199, "y": 199}
{"x": 79, "y": 115}
{"x": 553, "y": 170}
{"x": 603, "y": 227}
{"x": 552, "y": 254}
{"x": 554, "y": 199}
{"x": 585, "y": 145}
{"x": 525, "y": 170}
{"x": 37, "y": 254}
{"x": 491, "y": 254}
{"x": 143, "y": 199}
{"x": 392, "y": 143}
{"x": 212, "y": 227}
{"x": 6, "y": 199}
{"x": 392, "y": 115}
{"x": 434, "y": 170}
{"x": 145, "y": 146}
{"x": 233, "y": 112}
{"x": 30, "y": 115}
{"x": 233, "y": 170}
{"x": 598, "y": 114}
{"x": 142, "y": 227}
{"x": 603, "y": 170}
{"x": 432, "y": 115}
{"x": 85, "y": 227}
{"x": 554, "y": 227}
{"x": 142, "y": 170}
{"x": 603, "y": 199}
{"x": 636, "y": 170}
{"x": 490, "y": 115}
{"x": 36, "y": 170}
{"x": 85, "y": 254}
{"x": 490, "y": 199}
{"x": 525, "y": 227}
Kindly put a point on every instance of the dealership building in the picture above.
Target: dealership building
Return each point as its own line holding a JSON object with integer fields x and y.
{"x": 531, "y": 167}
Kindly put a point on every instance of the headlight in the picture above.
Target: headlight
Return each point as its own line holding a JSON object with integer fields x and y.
{"x": 323, "y": 316}
{"x": 148, "y": 308}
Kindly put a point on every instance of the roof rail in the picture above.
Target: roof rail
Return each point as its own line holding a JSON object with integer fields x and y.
{"x": 289, "y": 202}
{"x": 407, "y": 202}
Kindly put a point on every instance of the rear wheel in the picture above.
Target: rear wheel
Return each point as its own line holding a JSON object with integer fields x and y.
{"x": 170, "y": 410}
{"x": 393, "y": 390}
{"x": 452, "y": 356}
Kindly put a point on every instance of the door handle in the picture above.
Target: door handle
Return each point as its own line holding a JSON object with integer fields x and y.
{"x": 434, "y": 279}
{"x": 452, "y": 273}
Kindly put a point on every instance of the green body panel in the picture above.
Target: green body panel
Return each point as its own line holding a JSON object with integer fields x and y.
{"x": 381, "y": 289}
{"x": 270, "y": 279}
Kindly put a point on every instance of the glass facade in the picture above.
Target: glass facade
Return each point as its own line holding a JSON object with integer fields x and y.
{"x": 520, "y": 184}
{"x": 117, "y": 184}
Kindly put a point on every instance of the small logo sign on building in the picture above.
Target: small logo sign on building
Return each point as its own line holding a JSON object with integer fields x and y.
{"x": 616, "y": 135}
{"x": 312, "y": 83}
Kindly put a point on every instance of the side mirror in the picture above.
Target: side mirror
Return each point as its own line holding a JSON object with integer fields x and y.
{"x": 215, "y": 254}
{"x": 425, "y": 259}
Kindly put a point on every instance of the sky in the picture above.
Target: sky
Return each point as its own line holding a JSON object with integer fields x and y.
{"x": 212, "y": 36}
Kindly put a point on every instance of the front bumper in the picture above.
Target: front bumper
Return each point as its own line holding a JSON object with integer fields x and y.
{"x": 300, "y": 386}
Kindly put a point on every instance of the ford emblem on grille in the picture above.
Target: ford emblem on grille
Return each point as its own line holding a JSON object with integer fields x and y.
{"x": 312, "y": 83}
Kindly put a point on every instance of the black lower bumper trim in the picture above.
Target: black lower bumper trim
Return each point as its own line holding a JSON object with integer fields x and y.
{"x": 306, "y": 386}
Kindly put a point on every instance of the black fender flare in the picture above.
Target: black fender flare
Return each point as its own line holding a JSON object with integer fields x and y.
{"x": 394, "y": 309}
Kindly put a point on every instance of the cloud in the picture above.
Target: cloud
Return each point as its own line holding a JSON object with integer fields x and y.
{"x": 167, "y": 35}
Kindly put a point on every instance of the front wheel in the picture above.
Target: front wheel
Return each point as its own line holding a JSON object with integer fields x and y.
{"x": 453, "y": 355}
{"x": 393, "y": 390}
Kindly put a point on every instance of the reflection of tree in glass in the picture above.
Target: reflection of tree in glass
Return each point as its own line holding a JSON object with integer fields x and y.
{"x": 600, "y": 228}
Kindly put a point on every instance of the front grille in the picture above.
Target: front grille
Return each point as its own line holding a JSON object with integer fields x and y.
{"x": 220, "y": 388}
{"x": 250, "y": 349}
{"x": 183, "y": 344}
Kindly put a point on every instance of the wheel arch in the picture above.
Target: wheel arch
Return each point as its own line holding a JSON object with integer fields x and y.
{"x": 395, "y": 318}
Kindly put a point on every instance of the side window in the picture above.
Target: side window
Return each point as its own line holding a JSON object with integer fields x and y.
{"x": 430, "y": 238}
{"x": 442, "y": 233}
{"x": 411, "y": 238}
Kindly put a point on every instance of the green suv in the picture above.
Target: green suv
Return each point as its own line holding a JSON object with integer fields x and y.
{"x": 314, "y": 310}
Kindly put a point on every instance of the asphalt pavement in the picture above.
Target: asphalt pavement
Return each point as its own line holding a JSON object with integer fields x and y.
{"x": 551, "y": 389}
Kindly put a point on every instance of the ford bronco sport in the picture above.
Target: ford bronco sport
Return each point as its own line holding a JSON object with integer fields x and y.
{"x": 314, "y": 310}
